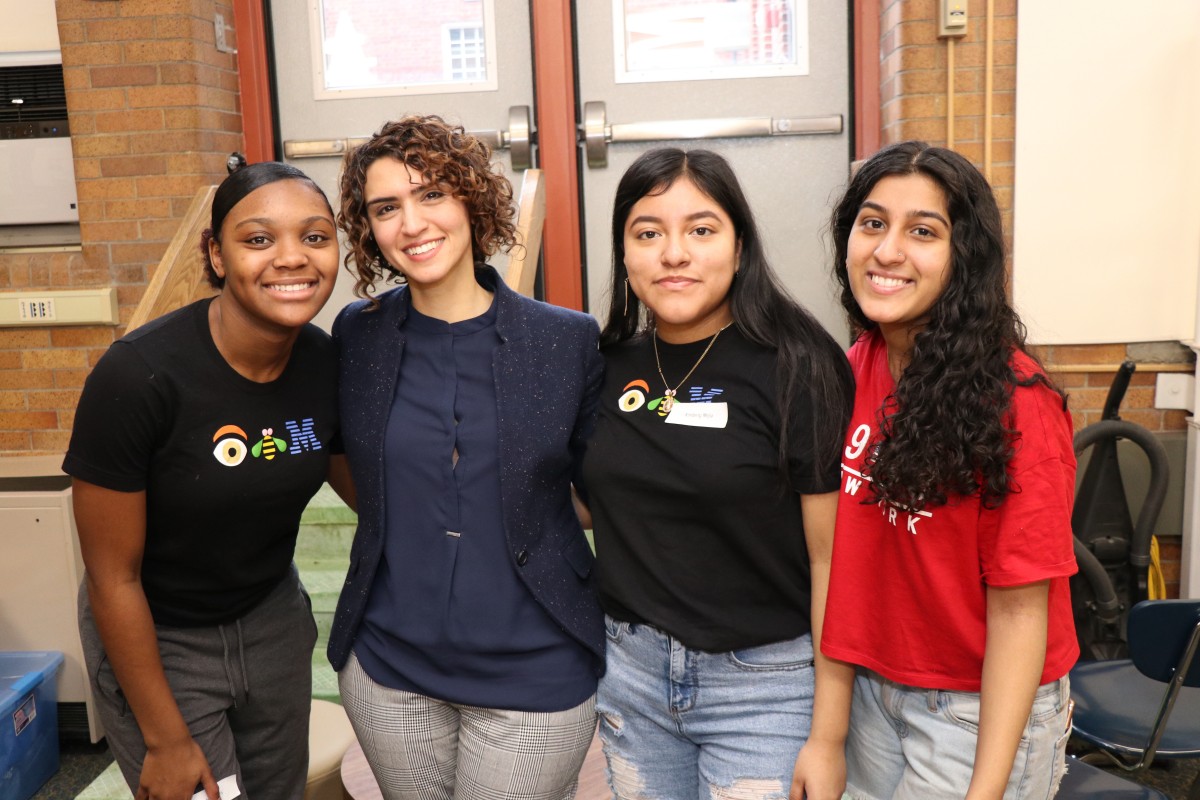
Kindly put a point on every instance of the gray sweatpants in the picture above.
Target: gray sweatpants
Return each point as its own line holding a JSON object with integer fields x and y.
{"x": 244, "y": 689}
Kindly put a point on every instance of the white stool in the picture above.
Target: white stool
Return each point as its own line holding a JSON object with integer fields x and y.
{"x": 329, "y": 737}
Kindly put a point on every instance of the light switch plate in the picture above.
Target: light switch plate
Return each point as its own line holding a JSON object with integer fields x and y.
{"x": 1174, "y": 390}
{"x": 59, "y": 307}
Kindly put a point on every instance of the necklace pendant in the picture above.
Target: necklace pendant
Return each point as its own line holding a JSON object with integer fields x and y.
{"x": 668, "y": 401}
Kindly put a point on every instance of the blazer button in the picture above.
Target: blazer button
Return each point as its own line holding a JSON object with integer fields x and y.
{"x": 522, "y": 557}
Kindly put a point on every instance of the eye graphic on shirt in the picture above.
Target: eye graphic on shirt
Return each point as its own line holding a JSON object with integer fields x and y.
{"x": 268, "y": 445}
{"x": 634, "y": 396}
{"x": 230, "y": 450}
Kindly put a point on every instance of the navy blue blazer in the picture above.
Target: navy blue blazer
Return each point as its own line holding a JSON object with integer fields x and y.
{"x": 548, "y": 372}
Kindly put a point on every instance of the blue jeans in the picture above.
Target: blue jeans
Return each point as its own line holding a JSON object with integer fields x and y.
{"x": 680, "y": 723}
{"x": 908, "y": 743}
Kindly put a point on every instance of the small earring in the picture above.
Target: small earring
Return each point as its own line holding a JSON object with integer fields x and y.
{"x": 625, "y": 313}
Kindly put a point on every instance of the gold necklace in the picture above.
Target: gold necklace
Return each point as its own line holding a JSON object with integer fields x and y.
{"x": 669, "y": 398}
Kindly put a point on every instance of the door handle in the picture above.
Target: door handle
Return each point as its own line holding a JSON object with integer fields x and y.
{"x": 597, "y": 133}
{"x": 517, "y": 139}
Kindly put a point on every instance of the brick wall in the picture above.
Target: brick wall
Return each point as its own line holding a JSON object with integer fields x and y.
{"x": 914, "y": 105}
{"x": 912, "y": 84}
{"x": 153, "y": 109}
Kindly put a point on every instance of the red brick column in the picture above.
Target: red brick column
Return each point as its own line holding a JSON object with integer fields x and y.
{"x": 153, "y": 109}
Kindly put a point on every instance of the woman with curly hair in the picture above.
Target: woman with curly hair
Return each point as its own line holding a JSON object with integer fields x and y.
{"x": 467, "y": 638}
{"x": 949, "y": 587}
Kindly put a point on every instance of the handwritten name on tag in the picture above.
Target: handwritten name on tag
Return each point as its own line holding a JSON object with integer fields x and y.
{"x": 699, "y": 415}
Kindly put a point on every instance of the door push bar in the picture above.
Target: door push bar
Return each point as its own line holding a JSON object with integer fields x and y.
{"x": 518, "y": 140}
{"x": 597, "y": 133}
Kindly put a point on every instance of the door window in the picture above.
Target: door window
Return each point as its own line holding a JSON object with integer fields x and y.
{"x": 380, "y": 48}
{"x": 674, "y": 40}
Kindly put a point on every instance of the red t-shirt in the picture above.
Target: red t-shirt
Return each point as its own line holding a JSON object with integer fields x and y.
{"x": 907, "y": 595}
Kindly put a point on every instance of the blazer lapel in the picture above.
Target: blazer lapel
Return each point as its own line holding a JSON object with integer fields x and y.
{"x": 511, "y": 377}
{"x": 384, "y": 356}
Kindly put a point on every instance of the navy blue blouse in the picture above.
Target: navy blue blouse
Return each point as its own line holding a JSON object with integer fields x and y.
{"x": 448, "y": 617}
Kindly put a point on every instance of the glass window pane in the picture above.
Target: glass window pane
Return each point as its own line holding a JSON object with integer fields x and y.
{"x": 388, "y": 47}
{"x": 671, "y": 40}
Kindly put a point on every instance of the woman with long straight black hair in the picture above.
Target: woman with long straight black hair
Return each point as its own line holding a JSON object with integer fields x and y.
{"x": 712, "y": 478}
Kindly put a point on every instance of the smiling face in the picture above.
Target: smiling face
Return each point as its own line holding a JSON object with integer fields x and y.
{"x": 681, "y": 254}
{"x": 898, "y": 254}
{"x": 278, "y": 255}
{"x": 420, "y": 227}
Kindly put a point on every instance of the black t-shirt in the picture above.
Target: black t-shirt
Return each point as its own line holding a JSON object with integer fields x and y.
{"x": 227, "y": 464}
{"x": 696, "y": 531}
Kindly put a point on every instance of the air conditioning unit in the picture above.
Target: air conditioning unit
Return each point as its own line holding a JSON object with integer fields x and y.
{"x": 37, "y": 169}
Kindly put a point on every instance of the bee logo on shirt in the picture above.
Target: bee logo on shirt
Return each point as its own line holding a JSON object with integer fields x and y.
{"x": 634, "y": 396}
{"x": 268, "y": 446}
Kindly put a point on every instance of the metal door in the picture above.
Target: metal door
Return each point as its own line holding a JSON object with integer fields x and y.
{"x": 787, "y": 136}
{"x": 356, "y": 38}
{"x": 790, "y": 179}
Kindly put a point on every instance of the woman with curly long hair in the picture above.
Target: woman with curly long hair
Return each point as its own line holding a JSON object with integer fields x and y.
{"x": 467, "y": 638}
{"x": 949, "y": 587}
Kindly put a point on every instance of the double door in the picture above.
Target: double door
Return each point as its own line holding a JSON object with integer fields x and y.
{"x": 764, "y": 82}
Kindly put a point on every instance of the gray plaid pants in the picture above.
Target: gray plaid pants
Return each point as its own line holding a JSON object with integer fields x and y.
{"x": 425, "y": 749}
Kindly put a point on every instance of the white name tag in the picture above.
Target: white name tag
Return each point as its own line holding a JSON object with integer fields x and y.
{"x": 227, "y": 787}
{"x": 699, "y": 415}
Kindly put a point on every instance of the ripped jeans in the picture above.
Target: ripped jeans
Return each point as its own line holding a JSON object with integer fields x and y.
{"x": 688, "y": 724}
{"x": 908, "y": 743}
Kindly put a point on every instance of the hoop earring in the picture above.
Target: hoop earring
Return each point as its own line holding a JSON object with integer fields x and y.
{"x": 625, "y": 313}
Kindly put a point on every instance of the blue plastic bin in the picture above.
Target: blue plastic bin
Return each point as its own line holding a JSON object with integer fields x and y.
{"x": 28, "y": 722}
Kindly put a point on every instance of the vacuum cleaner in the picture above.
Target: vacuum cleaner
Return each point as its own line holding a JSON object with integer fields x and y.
{"x": 1113, "y": 553}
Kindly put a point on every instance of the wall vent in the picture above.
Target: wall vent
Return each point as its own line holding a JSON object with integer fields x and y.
{"x": 32, "y": 94}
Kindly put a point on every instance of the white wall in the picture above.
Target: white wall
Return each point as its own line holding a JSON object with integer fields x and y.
{"x": 1107, "y": 186}
{"x": 27, "y": 25}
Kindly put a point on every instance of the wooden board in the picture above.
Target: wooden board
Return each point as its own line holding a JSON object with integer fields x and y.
{"x": 531, "y": 215}
{"x": 179, "y": 278}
